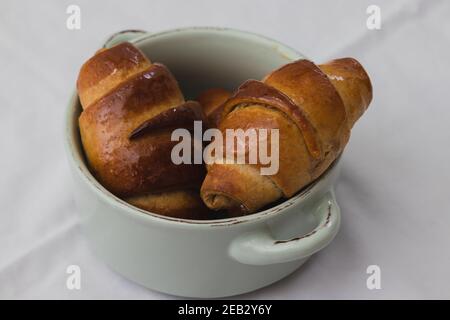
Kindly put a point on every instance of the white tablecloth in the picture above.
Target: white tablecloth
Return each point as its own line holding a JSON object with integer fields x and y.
{"x": 395, "y": 185}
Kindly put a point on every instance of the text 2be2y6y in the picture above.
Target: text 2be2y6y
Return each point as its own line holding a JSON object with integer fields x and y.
{"x": 225, "y": 309}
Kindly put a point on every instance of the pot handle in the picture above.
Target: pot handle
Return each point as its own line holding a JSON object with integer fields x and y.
{"x": 122, "y": 36}
{"x": 260, "y": 248}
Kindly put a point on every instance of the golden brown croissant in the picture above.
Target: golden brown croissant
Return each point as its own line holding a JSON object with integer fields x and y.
{"x": 313, "y": 107}
{"x": 211, "y": 100}
{"x": 130, "y": 108}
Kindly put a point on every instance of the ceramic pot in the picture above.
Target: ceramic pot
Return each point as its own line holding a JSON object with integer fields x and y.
{"x": 214, "y": 258}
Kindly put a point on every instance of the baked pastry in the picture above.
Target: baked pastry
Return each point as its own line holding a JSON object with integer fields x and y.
{"x": 130, "y": 108}
{"x": 313, "y": 107}
{"x": 211, "y": 100}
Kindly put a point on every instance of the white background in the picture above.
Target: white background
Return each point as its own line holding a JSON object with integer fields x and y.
{"x": 395, "y": 185}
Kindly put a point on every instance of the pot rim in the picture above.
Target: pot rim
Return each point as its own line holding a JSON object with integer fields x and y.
{"x": 77, "y": 158}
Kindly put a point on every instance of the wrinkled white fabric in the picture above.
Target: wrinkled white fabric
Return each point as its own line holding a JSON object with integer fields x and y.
{"x": 394, "y": 187}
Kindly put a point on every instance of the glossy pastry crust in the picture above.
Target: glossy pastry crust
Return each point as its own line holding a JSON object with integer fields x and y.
{"x": 313, "y": 107}
{"x": 121, "y": 91}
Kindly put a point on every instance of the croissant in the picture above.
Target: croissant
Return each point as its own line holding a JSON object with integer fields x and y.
{"x": 313, "y": 107}
{"x": 211, "y": 101}
{"x": 130, "y": 107}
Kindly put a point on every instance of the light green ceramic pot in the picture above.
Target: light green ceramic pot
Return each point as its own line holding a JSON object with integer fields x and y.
{"x": 214, "y": 258}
